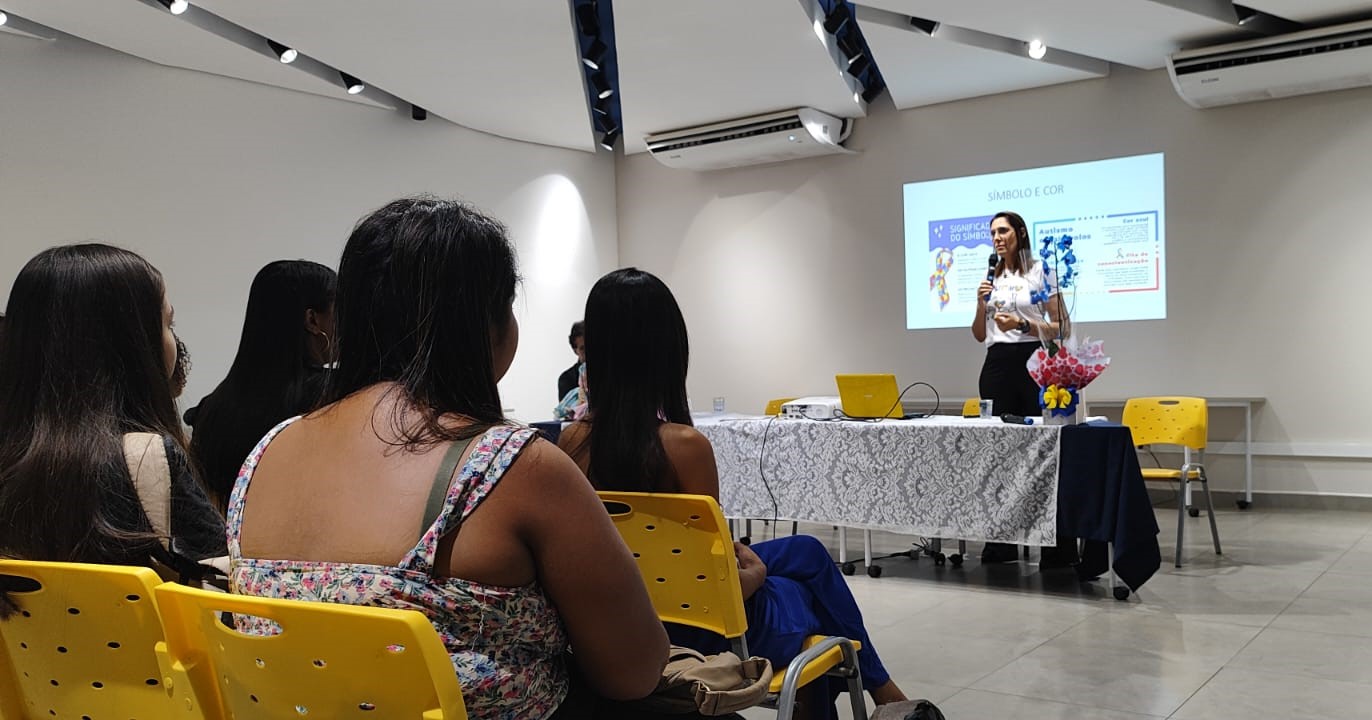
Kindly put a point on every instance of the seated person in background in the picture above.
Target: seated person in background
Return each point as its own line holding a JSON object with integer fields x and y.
{"x": 87, "y": 356}
{"x": 411, "y": 490}
{"x": 566, "y": 382}
{"x": 637, "y": 436}
{"x": 277, "y": 373}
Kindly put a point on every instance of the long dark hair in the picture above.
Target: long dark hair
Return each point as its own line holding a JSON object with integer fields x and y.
{"x": 424, "y": 293}
{"x": 1023, "y": 257}
{"x": 273, "y": 375}
{"x": 637, "y": 353}
{"x": 81, "y": 364}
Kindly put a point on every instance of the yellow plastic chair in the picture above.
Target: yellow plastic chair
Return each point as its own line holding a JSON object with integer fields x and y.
{"x": 327, "y": 661}
{"x": 686, "y": 556}
{"x": 1181, "y": 421}
{"x": 84, "y": 645}
{"x": 774, "y": 405}
{"x": 972, "y": 407}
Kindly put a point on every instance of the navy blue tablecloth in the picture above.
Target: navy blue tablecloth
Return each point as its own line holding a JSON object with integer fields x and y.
{"x": 1102, "y": 498}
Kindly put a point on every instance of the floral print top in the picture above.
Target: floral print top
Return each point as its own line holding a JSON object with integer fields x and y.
{"x": 506, "y": 643}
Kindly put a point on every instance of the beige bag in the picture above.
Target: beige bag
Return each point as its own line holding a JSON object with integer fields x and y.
{"x": 715, "y": 685}
{"x": 146, "y": 456}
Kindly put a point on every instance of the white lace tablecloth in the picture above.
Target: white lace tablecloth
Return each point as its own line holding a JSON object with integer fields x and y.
{"x": 937, "y": 477}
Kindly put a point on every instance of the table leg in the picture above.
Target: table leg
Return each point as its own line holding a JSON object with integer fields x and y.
{"x": 1247, "y": 500}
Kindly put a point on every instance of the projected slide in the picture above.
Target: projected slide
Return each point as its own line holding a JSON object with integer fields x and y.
{"x": 1112, "y": 209}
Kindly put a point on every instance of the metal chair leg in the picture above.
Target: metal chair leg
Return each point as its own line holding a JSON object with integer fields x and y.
{"x": 1210, "y": 510}
{"x": 1181, "y": 518}
{"x": 795, "y": 527}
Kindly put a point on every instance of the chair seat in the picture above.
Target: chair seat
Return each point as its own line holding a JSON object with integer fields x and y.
{"x": 1166, "y": 474}
{"x": 817, "y": 668}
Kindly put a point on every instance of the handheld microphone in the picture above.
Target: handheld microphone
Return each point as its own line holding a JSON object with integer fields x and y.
{"x": 1016, "y": 419}
{"x": 991, "y": 264}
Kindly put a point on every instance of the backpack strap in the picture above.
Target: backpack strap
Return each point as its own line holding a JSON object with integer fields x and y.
{"x": 443, "y": 480}
{"x": 151, "y": 474}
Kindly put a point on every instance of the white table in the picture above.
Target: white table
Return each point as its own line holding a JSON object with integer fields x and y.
{"x": 937, "y": 477}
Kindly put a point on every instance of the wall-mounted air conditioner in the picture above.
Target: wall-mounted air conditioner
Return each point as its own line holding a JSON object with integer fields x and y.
{"x": 755, "y": 140}
{"x": 1331, "y": 58}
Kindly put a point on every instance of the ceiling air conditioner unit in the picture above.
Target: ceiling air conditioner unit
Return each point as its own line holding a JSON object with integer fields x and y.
{"x": 1331, "y": 58}
{"x": 754, "y": 140}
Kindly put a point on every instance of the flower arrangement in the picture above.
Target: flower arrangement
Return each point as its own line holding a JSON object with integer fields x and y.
{"x": 1064, "y": 373}
{"x": 1062, "y": 367}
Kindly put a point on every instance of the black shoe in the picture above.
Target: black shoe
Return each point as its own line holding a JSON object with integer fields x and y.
{"x": 999, "y": 553}
{"x": 1055, "y": 558}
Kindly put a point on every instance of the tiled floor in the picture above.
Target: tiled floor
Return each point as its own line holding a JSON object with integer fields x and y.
{"x": 1278, "y": 626}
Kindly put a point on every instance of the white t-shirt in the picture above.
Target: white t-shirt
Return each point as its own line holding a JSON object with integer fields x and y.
{"x": 1010, "y": 294}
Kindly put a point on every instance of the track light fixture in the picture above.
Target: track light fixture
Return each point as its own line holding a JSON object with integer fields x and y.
{"x": 175, "y": 7}
{"x": 4, "y": 18}
{"x": 601, "y": 85}
{"x": 353, "y": 85}
{"x": 588, "y": 18}
{"x": 285, "y": 54}
{"x": 594, "y": 54}
{"x": 849, "y": 45}
{"x": 859, "y": 65}
{"x": 1037, "y": 49}
{"x": 418, "y": 113}
{"x": 872, "y": 93}
{"x": 608, "y": 140}
{"x": 837, "y": 19}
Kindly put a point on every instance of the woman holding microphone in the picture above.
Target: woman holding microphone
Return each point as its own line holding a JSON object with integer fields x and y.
{"x": 1011, "y": 326}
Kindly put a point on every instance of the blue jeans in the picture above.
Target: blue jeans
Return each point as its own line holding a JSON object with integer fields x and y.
{"x": 804, "y": 594}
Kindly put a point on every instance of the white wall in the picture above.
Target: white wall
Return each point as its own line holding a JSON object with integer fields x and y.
{"x": 790, "y": 273}
{"x": 210, "y": 178}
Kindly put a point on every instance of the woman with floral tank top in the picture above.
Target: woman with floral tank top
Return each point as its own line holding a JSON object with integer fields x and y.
{"x": 410, "y": 490}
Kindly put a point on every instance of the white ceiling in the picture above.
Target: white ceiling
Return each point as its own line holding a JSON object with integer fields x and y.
{"x": 1140, "y": 33}
{"x": 689, "y": 62}
{"x": 1312, "y": 10}
{"x": 154, "y": 34}
{"x": 509, "y": 67}
{"x": 909, "y": 61}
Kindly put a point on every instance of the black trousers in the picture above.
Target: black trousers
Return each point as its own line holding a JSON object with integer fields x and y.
{"x": 1005, "y": 381}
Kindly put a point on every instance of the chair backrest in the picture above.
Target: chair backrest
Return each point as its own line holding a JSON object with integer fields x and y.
{"x": 83, "y": 643}
{"x": 327, "y": 661}
{"x": 774, "y": 405}
{"x": 972, "y": 407}
{"x": 684, "y": 550}
{"x": 1181, "y": 421}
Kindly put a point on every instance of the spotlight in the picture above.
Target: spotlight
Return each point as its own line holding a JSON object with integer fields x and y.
{"x": 928, "y": 27}
{"x": 175, "y": 7}
{"x": 849, "y": 44}
{"x": 418, "y": 113}
{"x": 353, "y": 85}
{"x": 859, "y": 65}
{"x": 4, "y": 18}
{"x": 837, "y": 19}
{"x": 588, "y": 18}
{"x": 872, "y": 93}
{"x": 1037, "y": 49}
{"x": 287, "y": 55}
{"x": 594, "y": 54}
{"x": 601, "y": 108}
{"x": 601, "y": 85}
{"x": 608, "y": 140}
{"x": 1245, "y": 14}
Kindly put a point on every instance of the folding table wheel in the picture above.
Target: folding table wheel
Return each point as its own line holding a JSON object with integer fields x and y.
{"x": 849, "y": 568}
{"x": 1121, "y": 592}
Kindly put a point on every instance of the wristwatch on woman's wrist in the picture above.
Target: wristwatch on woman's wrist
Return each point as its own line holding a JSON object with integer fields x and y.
{"x": 1024, "y": 326}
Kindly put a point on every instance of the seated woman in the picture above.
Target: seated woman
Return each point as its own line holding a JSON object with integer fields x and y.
{"x": 637, "y": 436}
{"x": 411, "y": 490}
{"x": 277, "y": 373}
{"x": 88, "y": 356}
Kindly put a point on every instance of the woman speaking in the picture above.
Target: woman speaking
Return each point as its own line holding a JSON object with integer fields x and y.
{"x": 1011, "y": 325}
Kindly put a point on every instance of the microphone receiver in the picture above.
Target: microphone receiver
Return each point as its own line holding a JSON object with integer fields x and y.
{"x": 1016, "y": 419}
